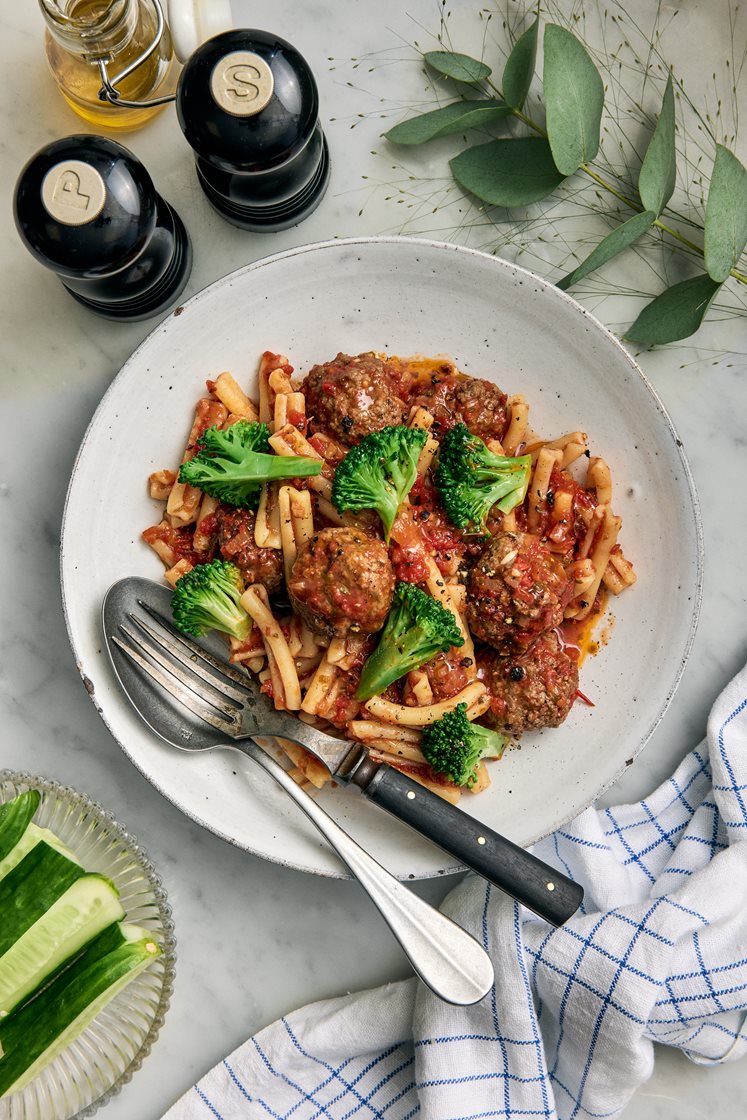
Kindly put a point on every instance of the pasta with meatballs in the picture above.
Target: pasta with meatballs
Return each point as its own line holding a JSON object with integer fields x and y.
{"x": 402, "y": 552}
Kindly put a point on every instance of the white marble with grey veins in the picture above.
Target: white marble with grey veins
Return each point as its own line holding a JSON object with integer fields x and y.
{"x": 256, "y": 940}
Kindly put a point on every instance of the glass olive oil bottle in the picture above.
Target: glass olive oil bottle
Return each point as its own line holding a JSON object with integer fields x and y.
{"x": 82, "y": 33}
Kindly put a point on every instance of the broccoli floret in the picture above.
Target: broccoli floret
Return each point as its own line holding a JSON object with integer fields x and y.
{"x": 379, "y": 472}
{"x": 232, "y": 463}
{"x": 416, "y": 630}
{"x": 471, "y": 479}
{"x": 207, "y": 598}
{"x": 454, "y": 746}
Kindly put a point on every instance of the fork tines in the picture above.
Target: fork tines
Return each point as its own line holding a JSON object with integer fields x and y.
{"x": 175, "y": 641}
{"x": 177, "y": 674}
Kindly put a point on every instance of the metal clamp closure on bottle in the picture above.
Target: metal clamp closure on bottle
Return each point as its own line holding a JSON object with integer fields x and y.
{"x": 109, "y": 91}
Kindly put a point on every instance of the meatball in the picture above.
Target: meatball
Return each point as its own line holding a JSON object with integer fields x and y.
{"x": 467, "y": 400}
{"x": 516, "y": 591}
{"x": 534, "y": 689}
{"x": 342, "y": 582}
{"x": 351, "y": 397}
{"x": 236, "y": 543}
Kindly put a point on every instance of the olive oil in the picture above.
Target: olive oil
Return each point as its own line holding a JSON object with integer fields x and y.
{"x": 80, "y": 33}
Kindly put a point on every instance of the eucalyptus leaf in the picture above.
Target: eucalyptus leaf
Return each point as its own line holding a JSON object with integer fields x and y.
{"x": 457, "y": 117}
{"x": 574, "y": 99}
{"x": 659, "y": 168}
{"x": 620, "y": 238}
{"x": 519, "y": 70}
{"x": 508, "y": 172}
{"x": 726, "y": 215}
{"x": 459, "y": 66}
{"x": 676, "y": 313}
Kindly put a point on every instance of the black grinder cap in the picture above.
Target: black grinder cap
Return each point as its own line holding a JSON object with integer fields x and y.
{"x": 248, "y": 106}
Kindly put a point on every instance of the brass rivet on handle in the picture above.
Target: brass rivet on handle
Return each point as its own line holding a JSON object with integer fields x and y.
{"x": 481, "y": 840}
{"x": 550, "y": 886}
{"x": 410, "y": 796}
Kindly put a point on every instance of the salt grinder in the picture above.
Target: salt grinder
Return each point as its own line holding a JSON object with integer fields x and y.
{"x": 87, "y": 209}
{"x": 248, "y": 106}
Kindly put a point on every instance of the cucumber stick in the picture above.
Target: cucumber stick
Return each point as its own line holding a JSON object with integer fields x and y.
{"x": 80, "y": 914}
{"x": 34, "y": 884}
{"x": 34, "y": 1034}
{"x": 15, "y": 815}
{"x": 29, "y": 840}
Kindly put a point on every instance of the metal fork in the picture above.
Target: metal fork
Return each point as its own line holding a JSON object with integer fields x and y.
{"x": 229, "y": 701}
{"x": 448, "y": 959}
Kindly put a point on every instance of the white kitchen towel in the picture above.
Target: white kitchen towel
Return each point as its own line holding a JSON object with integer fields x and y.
{"x": 658, "y": 953}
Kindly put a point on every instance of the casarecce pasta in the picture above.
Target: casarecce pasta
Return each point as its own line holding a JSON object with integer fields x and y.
{"x": 521, "y": 592}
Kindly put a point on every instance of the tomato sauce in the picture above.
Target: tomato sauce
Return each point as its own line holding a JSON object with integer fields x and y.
{"x": 564, "y": 536}
{"x": 298, "y": 420}
{"x": 422, "y": 533}
{"x": 447, "y": 673}
{"x": 180, "y": 541}
{"x": 271, "y": 362}
{"x": 408, "y": 564}
{"x": 208, "y": 414}
{"x": 344, "y": 708}
{"x": 576, "y": 636}
{"x": 442, "y": 540}
{"x": 209, "y": 525}
{"x": 412, "y": 375}
{"x": 417, "y": 770}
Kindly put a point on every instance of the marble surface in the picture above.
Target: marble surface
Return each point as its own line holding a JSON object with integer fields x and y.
{"x": 244, "y": 955}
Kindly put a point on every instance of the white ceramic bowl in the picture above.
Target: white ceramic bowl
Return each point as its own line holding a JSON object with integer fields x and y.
{"x": 102, "y": 1059}
{"x": 497, "y": 321}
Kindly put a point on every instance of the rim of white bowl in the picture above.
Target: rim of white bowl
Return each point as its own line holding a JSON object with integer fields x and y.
{"x": 499, "y": 262}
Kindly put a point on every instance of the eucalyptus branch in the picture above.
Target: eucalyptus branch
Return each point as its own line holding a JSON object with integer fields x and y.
{"x": 633, "y": 203}
{"x": 512, "y": 172}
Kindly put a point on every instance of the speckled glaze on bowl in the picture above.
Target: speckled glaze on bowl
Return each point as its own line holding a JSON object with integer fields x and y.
{"x": 104, "y": 1057}
{"x": 497, "y": 321}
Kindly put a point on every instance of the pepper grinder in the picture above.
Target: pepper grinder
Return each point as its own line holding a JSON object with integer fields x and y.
{"x": 248, "y": 106}
{"x": 87, "y": 209}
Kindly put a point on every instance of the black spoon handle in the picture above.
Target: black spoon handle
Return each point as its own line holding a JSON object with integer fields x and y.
{"x": 533, "y": 883}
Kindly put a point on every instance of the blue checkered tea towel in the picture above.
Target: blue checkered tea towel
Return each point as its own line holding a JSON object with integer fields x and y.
{"x": 658, "y": 954}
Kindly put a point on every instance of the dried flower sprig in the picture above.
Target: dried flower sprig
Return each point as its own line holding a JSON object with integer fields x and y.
{"x": 518, "y": 171}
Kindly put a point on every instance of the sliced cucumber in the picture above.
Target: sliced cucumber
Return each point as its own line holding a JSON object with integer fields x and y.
{"x": 14, "y": 817}
{"x": 31, "y": 888}
{"x": 80, "y": 914}
{"x": 34, "y": 1034}
{"x": 29, "y": 840}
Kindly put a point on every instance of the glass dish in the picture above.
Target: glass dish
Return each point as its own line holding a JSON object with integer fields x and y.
{"x": 106, "y": 1055}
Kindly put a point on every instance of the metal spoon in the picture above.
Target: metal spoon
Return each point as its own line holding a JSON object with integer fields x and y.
{"x": 152, "y": 670}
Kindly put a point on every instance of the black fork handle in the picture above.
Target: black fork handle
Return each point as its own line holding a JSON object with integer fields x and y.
{"x": 533, "y": 883}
